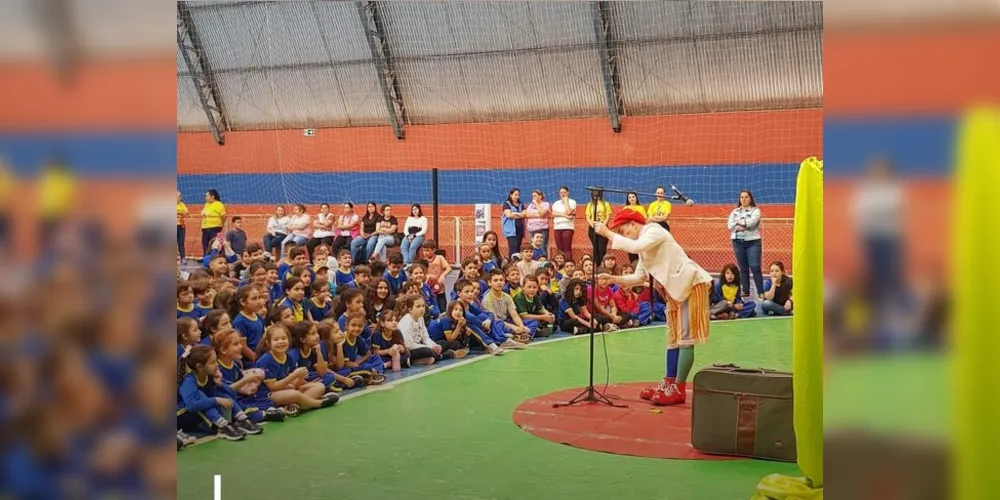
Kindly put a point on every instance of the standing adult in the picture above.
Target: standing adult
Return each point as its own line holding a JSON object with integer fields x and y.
{"x": 598, "y": 210}
{"x": 182, "y": 212}
{"x": 632, "y": 203}
{"x": 414, "y": 232}
{"x": 659, "y": 209}
{"x": 512, "y": 222}
{"x": 213, "y": 217}
{"x": 346, "y": 229}
{"x": 322, "y": 233}
{"x": 363, "y": 245}
{"x": 879, "y": 205}
{"x": 299, "y": 227}
{"x": 277, "y": 231}
{"x": 564, "y": 222}
{"x": 744, "y": 230}
{"x": 538, "y": 213}
{"x": 387, "y": 229}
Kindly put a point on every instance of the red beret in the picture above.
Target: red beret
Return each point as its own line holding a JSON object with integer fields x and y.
{"x": 626, "y": 216}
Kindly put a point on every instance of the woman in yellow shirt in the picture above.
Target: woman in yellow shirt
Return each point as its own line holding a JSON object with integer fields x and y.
{"x": 659, "y": 210}
{"x": 182, "y": 211}
{"x": 213, "y": 217}
{"x": 598, "y": 210}
{"x": 632, "y": 203}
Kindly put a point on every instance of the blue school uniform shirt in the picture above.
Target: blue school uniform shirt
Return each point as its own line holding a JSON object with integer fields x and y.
{"x": 196, "y": 312}
{"x": 565, "y": 305}
{"x": 342, "y": 323}
{"x": 298, "y": 311}
{"x": 283, "y": 269}
{"x": 379, "y": 341}
{"x": 274, "y": 369}
{"x": 489, "y": 266}
{"x": 357, "y": 349}
{"x": 341, "y": 278}
{"x": 432, "y": 306}
{"x": 275, "y": 293}
{"x": 439, "y": 328}
{"x": 211, "y": 255}
{"x": 395, "y": 283}
{"x": 195, "y": 395}
{"x": 251, "y": 328}
{"x": 318, "y": 313}
{"x": 538, "y": 253}
{"x": 308, "y": 360}
{"x": 232, "y": 373}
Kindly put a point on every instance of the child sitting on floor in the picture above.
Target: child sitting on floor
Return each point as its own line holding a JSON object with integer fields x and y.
{"x": 727, "y": 301}
{"x": 451, "y": 330}
{"x": 387, "y": 342}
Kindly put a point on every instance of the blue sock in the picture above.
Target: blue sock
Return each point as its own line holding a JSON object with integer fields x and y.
{"x": 672, "y": 355}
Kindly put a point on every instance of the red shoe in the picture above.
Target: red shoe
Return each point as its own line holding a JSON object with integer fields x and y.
{"x": 675, "y": 394}
{"x": 648, "y": 392}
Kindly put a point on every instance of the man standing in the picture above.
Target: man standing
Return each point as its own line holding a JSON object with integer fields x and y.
{"x": 687, "y": 288}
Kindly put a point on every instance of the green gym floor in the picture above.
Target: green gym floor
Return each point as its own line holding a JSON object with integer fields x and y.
{"x": 449, "y": 434}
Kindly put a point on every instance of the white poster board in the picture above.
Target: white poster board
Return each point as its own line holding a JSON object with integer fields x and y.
{"x": 483, "y": 218}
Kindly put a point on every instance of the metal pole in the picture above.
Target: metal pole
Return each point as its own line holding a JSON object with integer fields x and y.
{"x": 434, "y": 194}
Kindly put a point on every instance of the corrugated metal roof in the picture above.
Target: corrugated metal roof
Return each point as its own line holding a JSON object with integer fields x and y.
{"x": 295, "y": 64}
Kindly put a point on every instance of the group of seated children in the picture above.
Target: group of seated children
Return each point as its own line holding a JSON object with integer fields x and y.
{"x": 728, "y": 301}
{"x": 263, "y": 341}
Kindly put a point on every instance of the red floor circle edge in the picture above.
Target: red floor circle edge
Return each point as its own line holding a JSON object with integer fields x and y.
{"x": 641, "y": 430}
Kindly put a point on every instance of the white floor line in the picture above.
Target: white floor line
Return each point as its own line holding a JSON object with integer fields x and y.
{"x": 390, "y": 385}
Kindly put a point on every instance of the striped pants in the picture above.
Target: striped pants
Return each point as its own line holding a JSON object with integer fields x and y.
{"x": 688, "y": 320}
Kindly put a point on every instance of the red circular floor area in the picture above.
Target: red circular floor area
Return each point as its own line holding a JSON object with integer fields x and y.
{"x": 641, "y": 430}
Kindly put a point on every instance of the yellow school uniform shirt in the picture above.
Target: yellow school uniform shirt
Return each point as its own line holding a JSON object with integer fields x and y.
{"x": 182, "y": 210}
{"x": 56, "y": 190}
{"x": 603, "y": 211}
{"x": 212, "y": 215}
{"x": 659, "y": 208}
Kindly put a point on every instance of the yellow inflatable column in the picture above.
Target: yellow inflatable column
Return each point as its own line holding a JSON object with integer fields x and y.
{"x": 807, "y": 342}
{"x": 974, "y": 325}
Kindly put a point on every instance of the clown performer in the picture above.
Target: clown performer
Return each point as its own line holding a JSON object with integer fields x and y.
{"x": 686, "y": 286}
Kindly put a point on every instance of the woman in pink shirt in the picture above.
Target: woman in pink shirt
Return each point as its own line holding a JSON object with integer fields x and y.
{"x": 346, "y": 229}
{"x": 538, "y": 213}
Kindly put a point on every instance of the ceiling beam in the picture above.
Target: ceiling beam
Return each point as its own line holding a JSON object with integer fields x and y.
{"x": 378, "y": 44}
{"x": 601, "y": 13}
{"x": 200, "y": 72}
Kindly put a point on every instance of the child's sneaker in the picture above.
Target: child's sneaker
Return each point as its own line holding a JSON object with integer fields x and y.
{"x": 359, "y": 381}
{"x": 461, "y": 353}
{"x": 247, "y": 426}
{"x": 292, "y": 410}
{"x": 334, "y": 388}
{"x": 231, "y": 433}
{"x": 675, "y": 394}
{"x": 274, "y": 415}
{"x": 648, "y": 392}
{"x": 448, "y": 354}
{"x": 495, "y": 350}
{"x": 329, "y": 399}
{"x": 187, "y": 440}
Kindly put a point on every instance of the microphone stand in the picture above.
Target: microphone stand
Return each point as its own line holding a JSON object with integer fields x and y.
{"x": 590, "y": 394}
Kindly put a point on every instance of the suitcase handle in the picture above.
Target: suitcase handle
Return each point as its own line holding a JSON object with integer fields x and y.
{"x": 737, "y": 369}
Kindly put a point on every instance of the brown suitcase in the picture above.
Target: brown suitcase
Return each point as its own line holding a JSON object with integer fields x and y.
{"x": 743, "y": 411}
